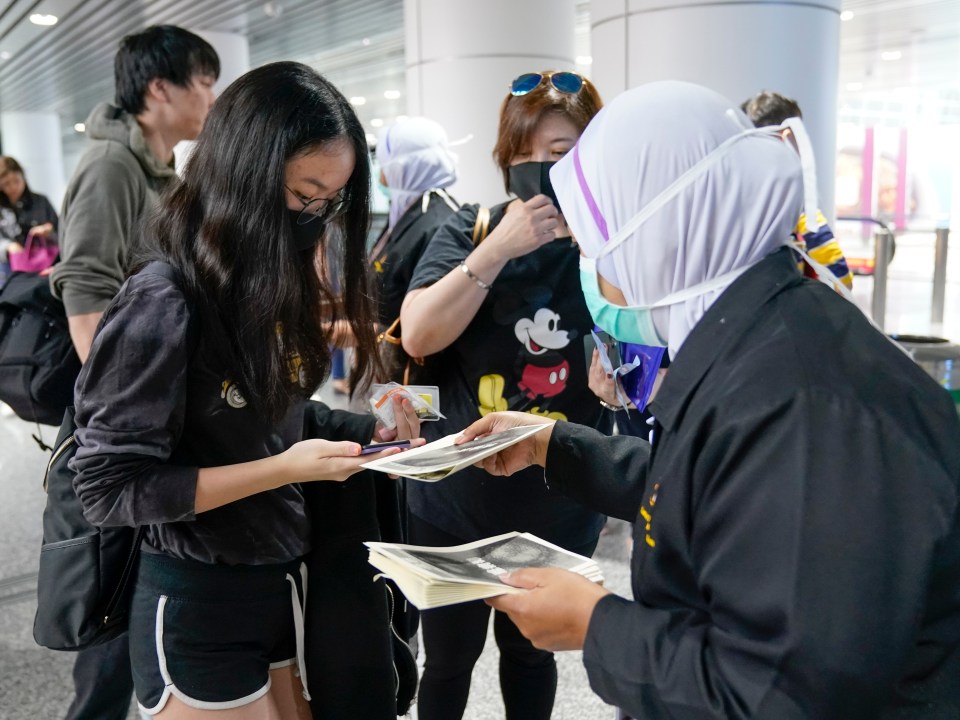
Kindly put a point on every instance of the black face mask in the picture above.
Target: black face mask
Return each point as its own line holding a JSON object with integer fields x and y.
{"x": 531, "y": 178}
{"x": 305, "y": 237}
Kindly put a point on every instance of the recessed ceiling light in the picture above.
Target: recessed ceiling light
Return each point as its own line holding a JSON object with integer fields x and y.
{"x": 46, "y": 20}
{"x": 5, "y": 55}
{"x": 846, "y": 15}
{"x": 854, "y": 86}
{"x": 376, "y": 122}
{"x": 401, "y": 118}
{"x": 273, "y": 9}
{"x": 584, "y": 60}
{"x": 365, "y": 42}
{"x": 358, "y": 100}
{"x": 891, "y": 54}
{"x": 391, "y": 94}
{"x": 371, "y": 138}
{"x": 80, "y": 127}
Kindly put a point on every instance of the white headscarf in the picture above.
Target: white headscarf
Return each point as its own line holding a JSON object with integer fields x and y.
{"x": 740, "y": 210}
{"x": 415, "y": 157}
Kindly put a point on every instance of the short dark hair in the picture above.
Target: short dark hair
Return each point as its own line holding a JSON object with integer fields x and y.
{"x": 770, "y": 108}
{"x": 226, "y": 226}
{"x": 161, "y": 51}
{"x": 520, "y": 115}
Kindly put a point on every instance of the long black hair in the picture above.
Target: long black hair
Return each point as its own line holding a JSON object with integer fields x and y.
{"x": 226, "y": 227}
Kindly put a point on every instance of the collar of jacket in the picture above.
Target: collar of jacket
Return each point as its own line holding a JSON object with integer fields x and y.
{"x": 107, "y": 122}
{"x": 409, "y": 217}
{"x": 724, "y": 322}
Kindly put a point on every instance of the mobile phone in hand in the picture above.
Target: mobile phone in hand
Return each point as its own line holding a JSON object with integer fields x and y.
{"x": 377, "y": 447}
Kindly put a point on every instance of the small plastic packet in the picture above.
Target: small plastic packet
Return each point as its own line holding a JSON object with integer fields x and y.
{"x": 425, "y": 400}
{"x": 614, "y": 366}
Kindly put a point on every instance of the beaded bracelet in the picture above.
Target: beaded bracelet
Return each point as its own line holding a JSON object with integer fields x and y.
{"x": 608, "y": 406}
{"x": 478, "y": 281}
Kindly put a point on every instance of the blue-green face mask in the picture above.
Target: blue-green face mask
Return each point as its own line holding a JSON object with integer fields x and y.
{"x": 626, "y": 324}
{"x": 634, "y": 323}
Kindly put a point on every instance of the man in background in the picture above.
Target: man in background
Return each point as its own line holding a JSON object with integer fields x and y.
{"x": 770, "y": 108}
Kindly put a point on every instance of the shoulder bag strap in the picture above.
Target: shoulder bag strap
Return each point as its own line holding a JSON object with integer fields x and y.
{"x": 481, "y": 226}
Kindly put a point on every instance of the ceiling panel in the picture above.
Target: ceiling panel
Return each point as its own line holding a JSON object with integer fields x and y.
{"x": 358, "y": 44}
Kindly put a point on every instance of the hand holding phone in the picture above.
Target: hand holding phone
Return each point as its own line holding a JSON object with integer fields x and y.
{"x": 377, "y": 447}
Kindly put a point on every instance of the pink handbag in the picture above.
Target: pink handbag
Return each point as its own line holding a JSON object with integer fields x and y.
{"x": 37, "y": 255}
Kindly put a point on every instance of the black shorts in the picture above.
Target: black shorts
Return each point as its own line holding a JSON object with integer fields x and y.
{"x": 210, "y": 634}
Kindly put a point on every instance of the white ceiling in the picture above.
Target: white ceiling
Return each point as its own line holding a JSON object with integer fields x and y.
{"x": 358, "y": 44}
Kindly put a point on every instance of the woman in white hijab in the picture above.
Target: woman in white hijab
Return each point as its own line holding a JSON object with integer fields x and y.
{"x": 797, "y": 536}
{"x": 416, "y": 165}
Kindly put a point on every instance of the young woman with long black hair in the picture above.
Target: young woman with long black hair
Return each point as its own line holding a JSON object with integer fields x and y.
{"x": 192, "y": 409}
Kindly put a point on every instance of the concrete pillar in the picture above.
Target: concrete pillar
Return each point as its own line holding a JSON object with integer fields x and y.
{"x": 461, "y": 56}
{"x": 736, "y": 48}
{"x": 33, "y": 139}
{"x": 234, "y": 53}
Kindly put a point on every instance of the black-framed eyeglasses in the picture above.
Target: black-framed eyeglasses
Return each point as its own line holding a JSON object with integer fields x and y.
{"x": 318, "y": 208}
{"x": 565, "y": 82}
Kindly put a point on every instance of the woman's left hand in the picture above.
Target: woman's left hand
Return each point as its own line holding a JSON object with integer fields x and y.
{"x": 42, "y": 230}
{"x": 555, "y": 612}
{"x": 602, "y": 383}
{"x": 408, "y": 424}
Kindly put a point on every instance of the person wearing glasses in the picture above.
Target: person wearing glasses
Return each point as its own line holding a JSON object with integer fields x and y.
{"x": 496, "y": 295}
{"x": 194, "y": 421}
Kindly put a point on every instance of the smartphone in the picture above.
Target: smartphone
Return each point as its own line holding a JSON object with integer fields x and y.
{"x": 377, "y": 447}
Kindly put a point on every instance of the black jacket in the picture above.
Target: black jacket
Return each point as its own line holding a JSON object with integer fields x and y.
{"x": 154, "y": 403}
{"x": 797, "y": 538}
{"x": 34, "y": 209}
{"x": 395, "y": 255}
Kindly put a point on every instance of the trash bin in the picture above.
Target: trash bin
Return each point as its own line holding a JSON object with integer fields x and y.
{"x": 939, "y": 357}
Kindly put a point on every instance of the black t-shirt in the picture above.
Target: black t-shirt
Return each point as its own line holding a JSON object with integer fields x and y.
{"x": 393, "y": 262}
{"x": 524, "y": 350}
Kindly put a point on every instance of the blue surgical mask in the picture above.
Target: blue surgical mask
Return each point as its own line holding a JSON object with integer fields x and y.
{"x": 634, "y": 323}
{"x": 627, "y": 324}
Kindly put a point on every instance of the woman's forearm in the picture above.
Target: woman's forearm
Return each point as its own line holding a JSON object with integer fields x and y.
{"x": 432, "y": 318}
{"x": 217, "y": 486}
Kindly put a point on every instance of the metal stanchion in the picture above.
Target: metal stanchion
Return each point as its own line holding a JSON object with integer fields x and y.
{"x": 878, "y": 305}
{"x": 939, "y": 277}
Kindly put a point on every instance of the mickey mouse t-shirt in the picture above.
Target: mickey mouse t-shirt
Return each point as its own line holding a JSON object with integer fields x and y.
{"x": 523, "y": 351}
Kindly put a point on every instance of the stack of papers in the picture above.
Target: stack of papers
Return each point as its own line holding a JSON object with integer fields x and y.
{"x": 437, "y": 576}
{"x": 435, "y": 461}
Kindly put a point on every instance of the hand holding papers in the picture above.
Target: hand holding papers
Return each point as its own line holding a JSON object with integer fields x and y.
{"x": 433, "y": 577}
{"x": 441, "y": 458}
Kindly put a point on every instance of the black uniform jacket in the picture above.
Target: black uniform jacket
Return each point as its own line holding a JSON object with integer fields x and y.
{"x": 796, "y": 539}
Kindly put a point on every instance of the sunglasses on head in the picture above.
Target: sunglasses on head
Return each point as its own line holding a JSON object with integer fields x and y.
{"x": 565, "y": 82}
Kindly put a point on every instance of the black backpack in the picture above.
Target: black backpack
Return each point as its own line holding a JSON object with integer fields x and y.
{"x": 38, "y": 364}
{"x": 83, "y": 587}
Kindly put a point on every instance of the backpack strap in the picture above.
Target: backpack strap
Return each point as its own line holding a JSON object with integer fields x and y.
{"x": 481, "y": 226}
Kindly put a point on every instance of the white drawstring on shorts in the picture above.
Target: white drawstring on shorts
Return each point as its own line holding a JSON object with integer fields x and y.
{"x": 298, "y": 625}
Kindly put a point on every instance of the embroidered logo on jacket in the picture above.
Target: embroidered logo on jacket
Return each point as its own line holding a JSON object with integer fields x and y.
{"x": 647, "y": 515}
{"x": 231, "y": 393}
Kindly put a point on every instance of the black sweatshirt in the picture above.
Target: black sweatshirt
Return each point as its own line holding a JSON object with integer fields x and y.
{"x": 154, "y": 404}
{"x": 797, "y": 536}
